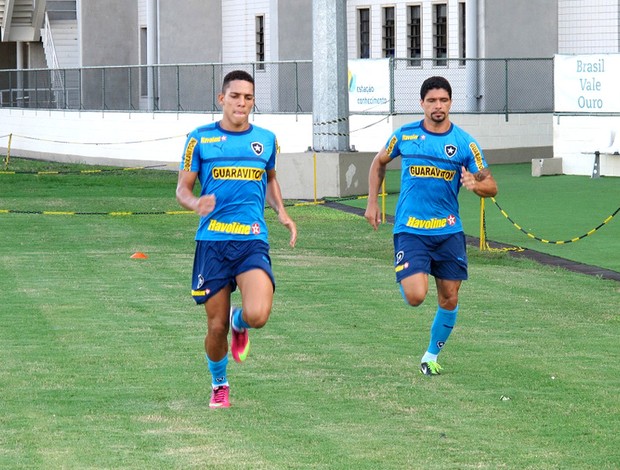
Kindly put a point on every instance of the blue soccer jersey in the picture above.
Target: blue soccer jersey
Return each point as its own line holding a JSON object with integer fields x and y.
{"x": 431, "y": 177}
{"x": 232, "y": 166}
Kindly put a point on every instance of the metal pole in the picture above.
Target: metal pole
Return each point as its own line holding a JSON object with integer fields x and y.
{"x": 103, "y": 89}
{"x": 50, "y": 81}
{"x": 11, "y": 91}
{"x": 471, "y": 54}
{"x": 483, "y": 241}
{"x": 392, "y": 87}
{"x": 36, "y": 90}
{"x": 8, "y": 152}
{"x": 65, "y": 92}
{"x": 80, "y": 75}
{"x": 213, "y": 90}
{"x": 297, "y": 106}
{"x": 330, "y": 107}
{"x": 506, "y": 87}
{"x": 383, "y": 194}
{"x": 178, "y": 89}
{"x": 151, "y": 50}
{"x": 596, "y": 169}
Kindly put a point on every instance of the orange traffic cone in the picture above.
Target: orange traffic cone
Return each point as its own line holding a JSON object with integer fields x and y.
{"x": 139, "y": 255}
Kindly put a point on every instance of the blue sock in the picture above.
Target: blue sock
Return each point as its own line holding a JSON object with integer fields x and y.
{"x": 238, "y": 321}
{"x": 442, "y": 327}
{"x": 402, "y": 293}
{"x": 218, "y": 371}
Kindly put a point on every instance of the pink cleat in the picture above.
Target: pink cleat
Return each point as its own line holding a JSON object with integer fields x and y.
{"x": 240, "y": 343}
{"x": 219, "y": 397}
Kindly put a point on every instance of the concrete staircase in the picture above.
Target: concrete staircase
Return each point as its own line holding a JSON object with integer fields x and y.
{"x": 62, "y": 51}
{"x": 20, "y": 20}
{"x": 61, "y": 29}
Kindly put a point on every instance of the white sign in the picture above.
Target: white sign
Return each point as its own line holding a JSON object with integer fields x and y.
{"x": 587, "y": 83}
{"x": 369, "y": 85}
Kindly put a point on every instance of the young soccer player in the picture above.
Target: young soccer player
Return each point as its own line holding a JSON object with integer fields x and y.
{"x": 234, "y": 161}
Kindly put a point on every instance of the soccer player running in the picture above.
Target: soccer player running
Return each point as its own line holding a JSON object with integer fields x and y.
{"x": 234, "y": 162}
{"x": 437, "y": 158}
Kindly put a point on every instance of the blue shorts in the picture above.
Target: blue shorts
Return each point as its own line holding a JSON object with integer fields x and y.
{"x": 442, "y": 256}
{"x": 218, "y": 263}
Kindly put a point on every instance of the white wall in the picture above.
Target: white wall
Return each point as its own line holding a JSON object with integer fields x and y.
{"x": 576, "y": 138}
{"x": 239, "y": 30}
{"x": 588, "y": 26}
{"x": 143, "y": 139}
{"x": 151, "y": 137}
{"x": 160, "y": 136}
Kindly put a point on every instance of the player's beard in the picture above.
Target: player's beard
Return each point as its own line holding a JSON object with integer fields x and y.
{"x": 438, "y": 117}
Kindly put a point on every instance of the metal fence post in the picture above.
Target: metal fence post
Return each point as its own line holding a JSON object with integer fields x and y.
{"x": 50, "y": 82}
{"x": 297, "y": 105}
{"x": 506, "y": 87}
{"x": 65, "y": 94}
{"x": 80, "y": 89}
{"x": 392, "y": 67}
{"x": 179, "y": 108}
{"x": 156, "y": 72}
{"x": 103, "y": 89}
{"x": 129, "y": 105}
{"x": 36, "y": 90}
{"x": 213, "y": 88}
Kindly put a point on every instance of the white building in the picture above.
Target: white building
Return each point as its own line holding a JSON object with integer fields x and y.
{"x": 195, "y": 31}
{"x": 424, "y": 34}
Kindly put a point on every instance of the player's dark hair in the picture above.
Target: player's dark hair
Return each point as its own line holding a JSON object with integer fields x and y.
{"x": 236, "y": 75}
{"x": 434, "y": 83}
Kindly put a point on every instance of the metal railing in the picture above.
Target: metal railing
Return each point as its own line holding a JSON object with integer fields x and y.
{"x": 480, "y": 86}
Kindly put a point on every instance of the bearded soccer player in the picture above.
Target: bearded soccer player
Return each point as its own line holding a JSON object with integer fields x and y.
{"x": 437, "y": 158}
{"x": 234, "y": 161}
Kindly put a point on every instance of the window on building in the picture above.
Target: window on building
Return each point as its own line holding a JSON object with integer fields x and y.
{"x": 462, "y": 34}
{"x": 260, "y": 42}
{"x": 364, "y": 33}
{"x": 414, "y": 35}
{"x": 440, "y": 34}
{"x": 389, "y": 32}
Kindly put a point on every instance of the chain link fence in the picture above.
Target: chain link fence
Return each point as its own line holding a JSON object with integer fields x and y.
{"x": 479, "y": 86}
{"x": 493, "y": 86}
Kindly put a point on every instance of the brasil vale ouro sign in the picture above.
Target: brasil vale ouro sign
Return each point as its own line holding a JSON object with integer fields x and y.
{"x": 586, "y": 83}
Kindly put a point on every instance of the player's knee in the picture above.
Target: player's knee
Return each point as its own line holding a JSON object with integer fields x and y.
{"x": 257, "y": 317}
{"x": 217, "y": 329}
{"x": 411, "y": 298}
{"x": 414, "y": 301}
{"x": 449, "y": 302}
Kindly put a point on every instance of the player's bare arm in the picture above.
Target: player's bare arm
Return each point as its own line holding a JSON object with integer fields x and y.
{"x": 376, "y": 176}
{"x": 481, "y": 183}
{"x": 274, "y": 199}
{"x": 185, "y": 194}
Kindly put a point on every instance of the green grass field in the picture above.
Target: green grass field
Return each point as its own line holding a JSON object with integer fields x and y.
{"x": 553, "y": 208}
{"x": 102, "y": 363}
